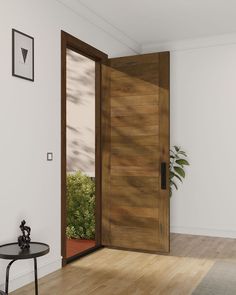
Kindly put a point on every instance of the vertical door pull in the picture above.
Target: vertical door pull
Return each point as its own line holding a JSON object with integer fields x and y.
{"x": 163, "y": 175}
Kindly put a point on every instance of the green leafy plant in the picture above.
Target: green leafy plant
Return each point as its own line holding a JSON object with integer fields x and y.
{"x": 178, "y": 159}
{"x": 80, "y": 206}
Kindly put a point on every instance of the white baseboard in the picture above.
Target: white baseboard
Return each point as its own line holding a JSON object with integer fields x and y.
{"x": 203, "y": 232}
{"x": 25, "y": 278}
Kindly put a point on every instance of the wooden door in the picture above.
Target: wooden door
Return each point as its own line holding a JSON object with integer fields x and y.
{"x": 135, "y": 152}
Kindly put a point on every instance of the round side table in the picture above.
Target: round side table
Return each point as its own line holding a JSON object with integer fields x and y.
{"x": 14, "y": 252}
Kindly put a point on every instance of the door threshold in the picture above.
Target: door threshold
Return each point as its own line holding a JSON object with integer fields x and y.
{"x": 82, "y": 254}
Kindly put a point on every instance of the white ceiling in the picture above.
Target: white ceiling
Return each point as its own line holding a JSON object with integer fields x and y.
{"x": 161, "y": 21}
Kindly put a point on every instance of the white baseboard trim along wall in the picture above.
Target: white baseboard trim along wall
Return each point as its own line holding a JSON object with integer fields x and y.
{"x": 210, "y": 232}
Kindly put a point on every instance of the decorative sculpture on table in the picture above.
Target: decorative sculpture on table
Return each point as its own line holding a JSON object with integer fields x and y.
{"x": 24, "y": 240}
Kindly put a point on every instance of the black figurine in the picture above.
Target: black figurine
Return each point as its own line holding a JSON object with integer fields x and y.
{"x": 24, "y": 240}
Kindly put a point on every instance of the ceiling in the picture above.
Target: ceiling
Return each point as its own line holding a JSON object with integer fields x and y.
{"x": 160, "y": 21}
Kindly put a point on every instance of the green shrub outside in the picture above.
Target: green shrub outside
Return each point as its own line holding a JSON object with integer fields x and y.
{"x": 80, "y": 206}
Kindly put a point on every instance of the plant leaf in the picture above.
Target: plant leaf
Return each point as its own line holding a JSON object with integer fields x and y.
{"x": 177, "y": 148}
{"x": 174, "y": 184}
{"x": 182, "y": 162}
{"x": 176, "y": 175}
{"x": 172, "y": 174}
{"x": 180, "y": 171}
{"x": 183, "y": 153}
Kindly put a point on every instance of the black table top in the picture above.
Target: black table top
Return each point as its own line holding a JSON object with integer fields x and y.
{"x": 13, "y": 251}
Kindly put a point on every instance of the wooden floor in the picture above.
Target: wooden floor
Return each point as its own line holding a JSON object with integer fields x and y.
{"x": 116, "y": 272}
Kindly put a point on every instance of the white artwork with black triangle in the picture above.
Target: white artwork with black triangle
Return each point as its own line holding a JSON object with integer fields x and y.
{"x": 23, "y": 63}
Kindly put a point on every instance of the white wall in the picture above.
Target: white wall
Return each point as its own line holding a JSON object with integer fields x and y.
{"x": 30, "y": 126}
{"x": 203, "y": 122}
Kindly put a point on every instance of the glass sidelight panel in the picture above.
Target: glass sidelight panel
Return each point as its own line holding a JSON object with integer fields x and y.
{"x": 80, "y": 153}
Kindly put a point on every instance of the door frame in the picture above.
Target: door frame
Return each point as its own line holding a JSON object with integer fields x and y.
{"x": 70, "y": 42}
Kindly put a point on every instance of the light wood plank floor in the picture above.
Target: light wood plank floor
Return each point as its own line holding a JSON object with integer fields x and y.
{"x": 108, "y": 271}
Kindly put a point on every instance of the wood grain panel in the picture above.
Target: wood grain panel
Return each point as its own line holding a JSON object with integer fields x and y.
{"x": 134, "y": 237}
{"x": 146, "y": 75}
{"x": 133, "y": 161}
{"x": 145, "y": 212}
{"x": 127, "y": 101}
{"x": 135, "y": 190}
{"x": 135, "y": 130}
{"x": 138, "y": 121}
{"x": 132, "y": 150}
{"x": 133, "y": 197}
{"x": 120, "y": 220}
{"x": 134, "y": 110}
{"x": 150, "y": 140}
{"x": 132, "y": 182}
{"x": 124, "y": 64}
{"x": 129, "y": 85}
{"x": 135, "y": 208}
{"x": 135, "y": 171}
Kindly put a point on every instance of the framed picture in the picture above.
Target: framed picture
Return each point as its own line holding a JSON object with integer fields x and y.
{"x": 22, "y": 55}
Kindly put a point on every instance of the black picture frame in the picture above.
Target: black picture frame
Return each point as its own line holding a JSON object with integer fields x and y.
{"x": 14, "y": 72}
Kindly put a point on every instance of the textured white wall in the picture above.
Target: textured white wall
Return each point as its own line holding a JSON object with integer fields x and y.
{"x": 30, "y": 126}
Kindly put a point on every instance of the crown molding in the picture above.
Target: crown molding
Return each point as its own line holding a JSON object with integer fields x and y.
{"x": 93, "y": 18}
{"x": 188, "y": 44}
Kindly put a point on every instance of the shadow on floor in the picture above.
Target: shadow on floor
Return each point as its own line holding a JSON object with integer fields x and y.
{"x": 203, "y": 247}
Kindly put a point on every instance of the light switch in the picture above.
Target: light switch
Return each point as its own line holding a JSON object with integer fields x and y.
{"x": 49, "y": 156}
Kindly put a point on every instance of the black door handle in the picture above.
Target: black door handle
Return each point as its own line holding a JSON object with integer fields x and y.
{"x": 163, "y": 175}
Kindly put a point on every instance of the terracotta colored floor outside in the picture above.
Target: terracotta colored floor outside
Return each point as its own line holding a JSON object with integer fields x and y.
{"x": 74, "y": 246}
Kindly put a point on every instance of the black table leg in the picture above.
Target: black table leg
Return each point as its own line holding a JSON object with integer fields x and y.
{"x": 7, "y": 276}
{"x": 36, "y": 276}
